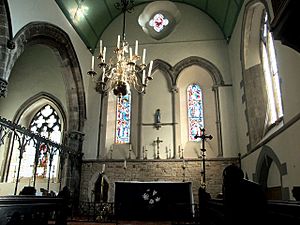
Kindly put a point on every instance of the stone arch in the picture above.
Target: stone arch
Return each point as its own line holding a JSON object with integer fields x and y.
{"x": 58, "y": 40}
{"x": 41, "y": 98}
{"x": 266, "y": 157}
{"x": 250, "y": 35}
{"x": 166, "y": 69}
{"x": 201, "y": 62}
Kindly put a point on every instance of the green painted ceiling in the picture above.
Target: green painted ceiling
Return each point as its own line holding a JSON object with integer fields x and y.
{"x": 102, "y": 12}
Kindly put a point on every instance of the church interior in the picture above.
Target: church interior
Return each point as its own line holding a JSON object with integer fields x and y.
{"x": 140, "y": 104}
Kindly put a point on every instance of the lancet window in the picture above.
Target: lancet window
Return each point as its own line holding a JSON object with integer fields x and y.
{"x": 195, "y": 111}
{"x": 123, "y": 120}
{"x": 274, "y": 110}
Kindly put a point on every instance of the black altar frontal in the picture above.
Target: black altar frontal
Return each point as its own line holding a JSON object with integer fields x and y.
{"x": 153, "y": 200}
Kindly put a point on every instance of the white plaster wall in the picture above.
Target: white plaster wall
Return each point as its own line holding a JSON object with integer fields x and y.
{"x": 158, "y": 96}
{"x": 28, "y": 79}
{"x": 195, "y": 35}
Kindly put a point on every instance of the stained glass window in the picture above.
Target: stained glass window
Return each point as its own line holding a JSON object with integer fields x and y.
{"x": 195, "y": 111}
{"x": 123, "y": 119}
{"x": 46, "y": 123}
{"x": 158, "y": 22}
{"x": 271, "y": 74}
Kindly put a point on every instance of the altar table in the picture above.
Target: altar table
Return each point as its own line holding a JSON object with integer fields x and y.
{"x": 153, "y": 200}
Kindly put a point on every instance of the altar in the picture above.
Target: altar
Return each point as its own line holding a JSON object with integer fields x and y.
{"x": 153, "y": 200}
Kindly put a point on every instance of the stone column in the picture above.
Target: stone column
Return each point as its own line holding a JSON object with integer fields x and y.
{"x": 73, "y": 165}
{"x": 5, "y": 46}
{"x": 174, "y": 92}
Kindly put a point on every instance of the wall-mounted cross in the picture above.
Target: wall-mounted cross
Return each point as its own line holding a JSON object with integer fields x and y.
{"x": 203, "y": 137}
{"x": 157, "y": 142}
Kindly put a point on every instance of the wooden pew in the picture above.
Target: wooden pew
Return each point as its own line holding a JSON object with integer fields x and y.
{"x": 30, "y": 210}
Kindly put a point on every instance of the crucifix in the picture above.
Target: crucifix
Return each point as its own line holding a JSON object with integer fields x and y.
{"x": 157, "y": 142}
{"x": 203, "y": 137}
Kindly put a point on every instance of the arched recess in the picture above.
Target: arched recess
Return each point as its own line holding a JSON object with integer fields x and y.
{"x": 254, "y": 83}
{"x": 33, "y": 104}
{"x": 92, "y": 184}
{"x": 58, "y": 40}
{"x": 266, "y": 160}
{"x": 167, "y": 71}
{"x": 5, "y": 43}
{"x": 217, "y": 80}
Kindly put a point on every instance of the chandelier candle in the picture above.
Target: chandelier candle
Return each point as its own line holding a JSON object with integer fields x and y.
{"x": 125, "y": 70}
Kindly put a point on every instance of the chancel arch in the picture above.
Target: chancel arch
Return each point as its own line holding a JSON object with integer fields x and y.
{"x": 55, "y": 38}
{"x": 56, "y": 44}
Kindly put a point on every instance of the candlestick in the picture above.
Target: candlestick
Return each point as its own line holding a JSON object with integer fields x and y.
{"x": 118, "y": 43}
{"x": 167, "y": 152}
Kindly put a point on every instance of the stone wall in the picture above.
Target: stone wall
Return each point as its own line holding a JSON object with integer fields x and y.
{"x": 152, "y": 170}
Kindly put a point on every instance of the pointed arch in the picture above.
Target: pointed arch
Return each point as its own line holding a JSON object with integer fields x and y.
{"x": 203, "y": 63}
{"x": 167, "y": 71}
{"x": 266, "y": 157}
{"x": 35, "y": 101}
{"x": 58, "y": 40}
{"x": 25, "y": 113}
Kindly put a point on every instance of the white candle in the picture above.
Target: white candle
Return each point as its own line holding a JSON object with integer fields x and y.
{"x": 144, "y": 77}
{"x": 150, "y": 68}
{"x": 136, "y": 47}
{"x": 125, "y": 165}
{"x": 144, "y": 56}
{"x": 103, "y": 168}
{"x": 118, "y": 43}
{"x": 104, "y": 53}
{"x": 103, "y": 76}
{"x": 130, "y": 54}
{"x": 100, "y": 47}
{"x": 130, "y": 146}
{"x": 93, "y": 62}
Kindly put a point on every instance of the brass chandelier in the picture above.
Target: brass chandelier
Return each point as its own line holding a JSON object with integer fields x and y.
{"x": 125, "y": 68}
